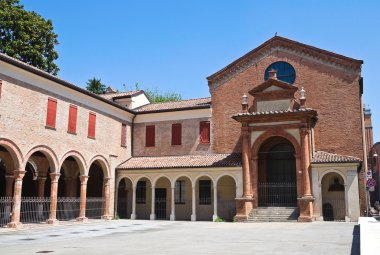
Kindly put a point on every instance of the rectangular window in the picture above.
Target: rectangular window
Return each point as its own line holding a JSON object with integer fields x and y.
{"x": 124, "y": 135}
{"x": 1, "y": 87}
{"x": 150, "y": 136}
{"x": 141, "y": 192}
{"x": 176, "y": 134}
{"x": 91, "y": 125}
{"x": 205, "y": 192}
{"x": 51, "y": 113}
{"x": 179, "y": 192}
{"x": 204, "y": 132}
{"x": 72, "y": 126}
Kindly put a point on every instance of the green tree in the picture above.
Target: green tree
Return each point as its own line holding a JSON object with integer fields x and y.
{"x": 96, "y": 86}
{"x": 158, "y": 96}
{"x": 27, "y": 36}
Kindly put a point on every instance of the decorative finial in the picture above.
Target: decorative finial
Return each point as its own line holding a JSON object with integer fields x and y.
{"x": 302, "y": 98}
{"x": 272, "y": 74}
{"x": 244, "y": 103}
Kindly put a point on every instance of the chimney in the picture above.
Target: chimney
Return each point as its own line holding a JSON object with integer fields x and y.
{"x": 272, "y": 74}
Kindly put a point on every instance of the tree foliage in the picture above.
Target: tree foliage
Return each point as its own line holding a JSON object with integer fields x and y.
{"x": 27, "y": 36}
{"x": 158, "y": 96}
{"x": 96, "y": 86}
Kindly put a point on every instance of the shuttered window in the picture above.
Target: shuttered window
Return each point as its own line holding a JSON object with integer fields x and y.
{"x": 51, "y": 113}
{"x": 204, "y": 132}
{"x": 176, "y": 134}
{"x": 1, "y": 87}
{"x": 91, "y": 125}
{"x": 123, "y": 135}
{"x": 150, "y": 136}
{"x": 72, "y": 126}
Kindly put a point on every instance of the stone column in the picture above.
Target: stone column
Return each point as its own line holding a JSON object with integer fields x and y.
{"x": 193, "y": 204}
{"x": 133, "y": 215}
{"x": 172, "y": 215}
{"x": 215, "y": 215}
{"x": 83, "y": 191}
{"x": 245, "y": 161}
{"x": 306, "y": 202}
{"x": 16, "y": 210}
{"x": 41, "y": 186}
{"x": 53, "y": 198}
{"x": 153, "y": 213}
{"x": 106, "y": 192}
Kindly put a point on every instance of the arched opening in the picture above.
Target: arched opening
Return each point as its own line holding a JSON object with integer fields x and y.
{"x": 143, "y": 198}
{"x": 124, "y": 199}
{"x": 35, "y": 196}
{"x": 95, "y": 191}
{"x": 7, "y": 166}
{"x": 277, "y": 173}
{"x": 162, "y": 196}
{"x": 204, "y": 197}
{"x": 226, "y": 187}
{"x": 182, "y": 198}
{"x": 68, "y": 201}
{"x": 333, "y": 197}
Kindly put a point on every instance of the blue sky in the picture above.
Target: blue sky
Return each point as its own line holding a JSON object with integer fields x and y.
{"x": 175, "y": 45}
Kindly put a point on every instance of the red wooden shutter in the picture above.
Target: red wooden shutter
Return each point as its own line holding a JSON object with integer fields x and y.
{"x": 91, "y": 124}
{"x": 51, "y": 113}
{"x": 150, "y": 136}
{"x": 204, "y": 132}
{"x": 123, "y": 134}
{"x": 72, "y": 126}
{"x": 176, "y": 134}
{"x": 1, "y": 87}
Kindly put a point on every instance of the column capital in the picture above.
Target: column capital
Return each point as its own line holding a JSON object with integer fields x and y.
{"x": 83, "y": 178}
{"x": 54, "y": 177}
{"x": 19, "y": 174}
{"x": 305, "y": 131}
{"x": 9, "y": 177}
{"x": 245, "y": 130}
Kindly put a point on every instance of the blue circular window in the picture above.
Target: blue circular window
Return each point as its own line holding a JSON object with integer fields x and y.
{"x": 285, "y": 71}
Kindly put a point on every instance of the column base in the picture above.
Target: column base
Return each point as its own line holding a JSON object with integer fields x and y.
{"x": 306, "y": 209}
{"x": 244, "y": 206}
{"x": 107, "y": 217}
{"x": 133, "y": 216}
{"x": 193, "y": 217}
{"x": 214, "y": 217}
{"x": 14, "y": 224}
{"x": 152, "y": 216}
{"x": 82, "y": 219}
{"x": 172, "y": 217}
{"x": 52, "y": 221}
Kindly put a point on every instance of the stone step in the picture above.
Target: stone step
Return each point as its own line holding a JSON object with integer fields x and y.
{"x": 273, "y": 214}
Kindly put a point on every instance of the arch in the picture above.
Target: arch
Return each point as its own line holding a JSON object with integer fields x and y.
{"x": 226, "y": 194}
{"x": 122, "y": 178}
{"x": 15, "y": 152}
{"x": 123, "y": 197}
{"x": 103, "y": 163}
{"x": 34, "y": 167}
{"x": 162, "y": 176}
{"x": 224, "y": 175}
{"x": 324, "y": 173}
{"x": 78, "y": 158}
{"x": 48, "y": 153}
{"x": 140, "y": 177}
{"x": 180, "y": 176}
{"x": 333, "y": 201}
{"x": 204, "y": 175}
{"x": 273, "y": 133}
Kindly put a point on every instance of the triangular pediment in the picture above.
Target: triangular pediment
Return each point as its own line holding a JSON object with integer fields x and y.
{"x": 273, "y": 86}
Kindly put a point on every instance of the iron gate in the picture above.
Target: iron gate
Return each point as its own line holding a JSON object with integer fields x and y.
{"x": 160, "y": 203}
{"x": 5, "y": 210}
{"x": 281, "y": 194}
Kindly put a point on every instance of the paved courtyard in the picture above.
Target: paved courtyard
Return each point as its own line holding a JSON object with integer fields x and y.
{"x": 165, "y": 237}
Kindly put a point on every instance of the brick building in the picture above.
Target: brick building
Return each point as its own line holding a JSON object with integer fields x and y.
{"x": 281, "y": 137}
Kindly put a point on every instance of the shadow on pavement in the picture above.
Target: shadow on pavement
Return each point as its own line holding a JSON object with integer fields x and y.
{"x": 355, "y": 248}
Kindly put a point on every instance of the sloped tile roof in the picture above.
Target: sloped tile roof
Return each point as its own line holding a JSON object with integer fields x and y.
{"x": 326, "y": 157}
{"x": 274, "y": 112}
{"x": 197, "y": 103}
{"x": 187, "y": 161}
{"x": 110, "y": 96}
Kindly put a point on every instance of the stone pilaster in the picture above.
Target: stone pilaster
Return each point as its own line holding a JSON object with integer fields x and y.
{"x": 106, "y": 193}
{"x": 83, "y": 196}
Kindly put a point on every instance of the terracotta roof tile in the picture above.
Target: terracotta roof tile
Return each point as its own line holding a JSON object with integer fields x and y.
{"x": 187, "y": 161}
{"x": 274, "y": 112}
{"x": 198, "y": 103}
{"x": 326, "y": 157}
{"x": 110, "y": 96}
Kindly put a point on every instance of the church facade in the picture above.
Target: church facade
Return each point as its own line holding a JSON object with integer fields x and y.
{"x": 281, "y": 138}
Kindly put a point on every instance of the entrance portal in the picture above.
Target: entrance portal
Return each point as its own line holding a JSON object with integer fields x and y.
{"x": 277, "y": 174}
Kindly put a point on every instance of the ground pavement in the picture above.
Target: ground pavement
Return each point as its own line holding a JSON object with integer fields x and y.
{"x": 176, "y": 237}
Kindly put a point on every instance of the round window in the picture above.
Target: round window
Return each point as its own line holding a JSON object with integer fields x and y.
{"x": 285, "y": 71}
